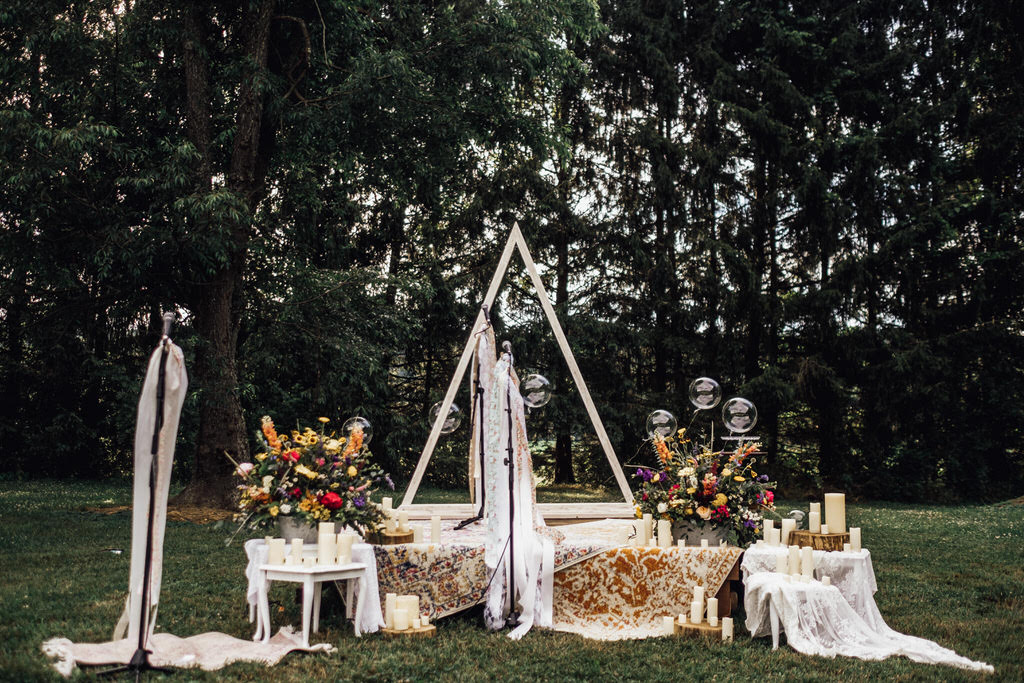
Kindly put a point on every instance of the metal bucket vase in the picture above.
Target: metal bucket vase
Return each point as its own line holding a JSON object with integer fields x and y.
{"x": 296, "y": 527}
{"x": 694, "y": 533}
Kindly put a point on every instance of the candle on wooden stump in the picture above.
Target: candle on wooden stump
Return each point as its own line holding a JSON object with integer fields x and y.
{"x": 326, "y": 528}
{"x": 435, "y": 529}
{"x": 713, "y": 611}
{"x": 648, "y": 521}
{"x": 326, "y": 553}
{"x": 847, "y": 547}
{"x": 275, "y": 551}
{"x": 297, "y": 550}
{"x": 769, "y": 525}
{"x": 664, "y": 533}
{"x": 703, "y": 543}
{"x": 401, "y": 620}
{"x": 816, "y": 507}
{"x": 410, "y": 603}
{"x": 788, "y": 526}
{"x": 835, "y": 512}
{"x": 696, "y": 612}
{"x": 855, "y": 538}
{"x": 386, "y": 503}
{"x": 389, "y": 609}
{"x": 345, "y": 542}
{"x": 824, "y": 528}
{"x": 826, "y": 580}
{"x": 403, "y": 521}
{"x": 683, "y": 620}
{"x": 814, "y": 522}
{"x": 794, "y": 559}
{"x": 668, "y": 626}
{"x": 775, "y": 537}
{"x": 415, "y": 622}
{"x": 781, "y": 563}
{"x": 698, "y": 594}
{"x": 807, "y": 562}
{"x": 424, "y": 620}
{"x": 727, "y": 629}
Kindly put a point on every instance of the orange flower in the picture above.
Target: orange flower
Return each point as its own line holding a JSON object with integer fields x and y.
{"x": 664, "y": 454}
{"x": 270, "y": 433}
{"x": 355, "y": 441}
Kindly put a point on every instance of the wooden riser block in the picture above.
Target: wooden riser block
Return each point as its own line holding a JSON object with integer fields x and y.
{"x": 806, "y": 539}
{"x": 703, "y": 629}
{"x": 428, "y": 631}
{"x": 390, "y": 538}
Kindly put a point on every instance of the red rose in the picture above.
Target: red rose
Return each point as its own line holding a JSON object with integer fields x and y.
{"x": 331, "y": 500}
{"x": 290, "y": 455}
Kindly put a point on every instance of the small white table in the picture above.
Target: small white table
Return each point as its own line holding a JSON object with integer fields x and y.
{"x": 312, "y": 579}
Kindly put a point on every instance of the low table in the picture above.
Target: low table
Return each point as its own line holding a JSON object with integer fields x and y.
{"x": 312, "y": 580}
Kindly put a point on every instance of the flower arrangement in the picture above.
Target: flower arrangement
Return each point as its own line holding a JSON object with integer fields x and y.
{"x": 693, "y": 484}
{"x": 311, "y": 476}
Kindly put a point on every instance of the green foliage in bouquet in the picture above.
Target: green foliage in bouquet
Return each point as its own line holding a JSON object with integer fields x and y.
{"x": 312, "y": 476}
{"x": 696, "y": 485}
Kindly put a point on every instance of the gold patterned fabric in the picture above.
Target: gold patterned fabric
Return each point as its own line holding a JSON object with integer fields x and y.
{"x": 624, "y": 592}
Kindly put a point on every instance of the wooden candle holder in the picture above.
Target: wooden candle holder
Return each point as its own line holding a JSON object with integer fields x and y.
{"x": 806, "y": 539}
{"x": 428, "y": 631}
{"x": 390, "y": 537}
{"x": 703, "y": 630}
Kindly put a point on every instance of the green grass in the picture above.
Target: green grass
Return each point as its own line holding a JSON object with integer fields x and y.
{"x": 950, "y": 574}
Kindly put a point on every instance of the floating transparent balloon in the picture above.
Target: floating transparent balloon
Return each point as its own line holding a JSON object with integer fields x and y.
{"x": 451, "y": 423}
{"x": 705, "y": 393}
{"x": 661, "y": 422}
{"x": 536, "y": 390}
{"x": 739, "y": 415}
{"x": 358, "y": 423}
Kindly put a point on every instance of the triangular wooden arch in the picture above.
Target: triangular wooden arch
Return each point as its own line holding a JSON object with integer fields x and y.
{"x": 571, "y": 510}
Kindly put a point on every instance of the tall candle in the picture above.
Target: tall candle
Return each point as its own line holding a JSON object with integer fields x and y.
{"x": 769, "y": 524}
{"x": 417, "y": 533}
{"x": 835, "y": 512}
{"x": 814, "y": 522}
{"x": 664, "y": 533}
{"x": 825, "y": 529}
{"x": 855, "y": 538}
{"x": 648, "y": 527}
{"x": 698, "y": 594}
{"x": 713, "y": 611}
{"x": 668, "y": 626}
{"x": 727, "y": 629}
{"x": 788, "y": 525}
{"x": 781, "y": 563}
{"x": 386, "y": 503}
{"x": 392, "y": 522}
{"x": 410, "y": 603}
{"x": 345, "y": 542}
{"x": 389, "y": 609}
{"x": 775, "y": 537}
{"x": 275, "y": 551}
{"x": 297, "y": 550}
{"x": 807, "y": 562}
{"x": 435, "y": 529}
{"x": 325, "y": 549}
{"x": 401, "y": 619}
{"x": 696, "y": 611}
{"x": 403, "y": 521}
{"x": 816, "y": 507}
{"x": 794, "y": 559}
{"x": 326, "y": 528}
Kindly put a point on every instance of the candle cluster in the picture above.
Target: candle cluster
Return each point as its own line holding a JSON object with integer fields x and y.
{"x": 402, "y": 612}
{"x": 331, "y": 549}
{"x": 397, "y": 522}
{"x": 835, "y": 523}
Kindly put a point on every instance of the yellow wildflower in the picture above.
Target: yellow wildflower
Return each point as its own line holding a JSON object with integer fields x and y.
{"x": 656, "y": 478}
{"x": 688, "y": 511}
{"x": 691, "y": 490}
{"x": 312, "y": 439}
{"x": 726, "y": 472}
{"x": 738, "y": 478}
{"x": 261, "y": 456}
{"x": 720, "y": 500}
{"x": 639, "y": 512}
{"x": 324, "y": 420}
{"x": 305, "y": 471}
{"x": 352, "y": 471}
{"x": 273, "y": 511}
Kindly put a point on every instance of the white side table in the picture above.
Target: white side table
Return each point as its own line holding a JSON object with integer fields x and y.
{"x": 312, "y": 579}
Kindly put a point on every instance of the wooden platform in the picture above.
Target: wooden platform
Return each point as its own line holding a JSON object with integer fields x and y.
{"x": 389, "y": 538}
{"x": 703, "y": 629}
{"x": 428, "y": 631}
{"x": 807, "y": 539}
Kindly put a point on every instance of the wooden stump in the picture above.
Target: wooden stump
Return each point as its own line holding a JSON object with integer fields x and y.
{"x": 806, "y": 539}
{"x": 428, "y": 631}
{"x": 389, "y": 537}
{"x": 703, "y": 630}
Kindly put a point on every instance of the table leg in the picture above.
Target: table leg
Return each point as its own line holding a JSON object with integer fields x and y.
{"x": 307, "y": 607}
{"x": 775, "y": 624}
{"x": 359, "y": 603}
{"x": 263, "y": 609}
{"x": 350, "y": 607}
{"x": 317, "y": 588}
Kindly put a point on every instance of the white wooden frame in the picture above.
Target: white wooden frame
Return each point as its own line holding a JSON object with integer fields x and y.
{"x": 560, "y": 510}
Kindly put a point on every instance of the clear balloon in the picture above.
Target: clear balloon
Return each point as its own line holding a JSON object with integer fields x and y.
{"x": 451, "y": 423}
{"x": 536, "y": 390}
{"x": 739, "y": 415}
{"x": 705, "y": 393}
{"x": 661, "y": 422}
{"x": 358, "y": 423}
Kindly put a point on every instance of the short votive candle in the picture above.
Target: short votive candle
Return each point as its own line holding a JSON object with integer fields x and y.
{"x": 824, "y": 528}
{"x": 386, "y": 503}
{"x": 415, "y": 622}
{"x": 681, "y": 543}
{"x": 424, "y": 620}
{"x": 703, "y": 543}
{"x": 401, "y": 619}
{"x": 668, "y": 626}
{"x": 826, "y": 580}
{"x": 275, "y": 551}
{"x": 847, "y": 547}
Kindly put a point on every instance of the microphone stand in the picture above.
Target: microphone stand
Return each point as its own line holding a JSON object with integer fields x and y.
{"x": 513, "y": 616}
{"x": 140, "y": 659}
{"x": 478, "y": 406}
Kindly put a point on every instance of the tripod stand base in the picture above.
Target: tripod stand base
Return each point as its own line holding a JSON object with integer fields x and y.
{"x": 138, "y": 663}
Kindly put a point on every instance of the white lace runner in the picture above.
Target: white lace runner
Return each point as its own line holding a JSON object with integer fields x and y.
{"x": 818, "y": 620}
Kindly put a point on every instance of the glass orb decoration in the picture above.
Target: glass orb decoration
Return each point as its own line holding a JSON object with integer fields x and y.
{"x": 739, "y": 415}
{"x": 536, "y": 390}
{"x": 705, "y": 393}
{"x": 662, "y": 423}
{"x": 451, "y": 422}
{"x": 358, "y": 423}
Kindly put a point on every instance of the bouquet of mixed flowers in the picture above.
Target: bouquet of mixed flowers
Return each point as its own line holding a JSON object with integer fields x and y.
{"x": 693, "y": 484}
{"x": 310, "y": 476}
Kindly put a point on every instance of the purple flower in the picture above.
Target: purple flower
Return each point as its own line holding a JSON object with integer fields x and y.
{"x": 750, "y": 524}
{"x": 644, "y": 474}
{"x": 387, "y": 478}
{"x": 763, "y": 478}
{"x": 359, "y": 501}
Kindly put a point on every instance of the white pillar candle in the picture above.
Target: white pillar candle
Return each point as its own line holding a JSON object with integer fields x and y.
{"x": 289, "y": 559}
{"x": 781, "y": 563}
{"x": 389, "y": 609}
{"x": 683, "y": 620}
{"x": 722, "y": 543}
{"x": 824, "y": 528}
{"x": 816, "y": 507}
{"x": 775, "y": 537}
{"x": 326, "y": 552}
{"x": 794, "y": 559}
{"x": 435, "y": 529}
{"x": 652, "y": 542}
{"x": 410, "y": 603}
{"x": 835, "y": 512}
{"x": 417, "y": 533}
{"x": 668, "y": 626}
{"x": 696, "y": 612}
{"x": 401, "y": 620}
{"x": 424, "y": 620}
{"x": 681, "y": 543}
{"x": 814, "y": 522}
{"x": 769, "y": 525}
{"x": 403, "y": 521}
{"x": 297, "y": 550}
{"x": 326, "y": 528}
{"x": 386, "y": 503}
{"x": 826, "y": 580}
{"x": 638, "y": 540}
{"x": 847, "y": 548}
{"x": 727, "y": 629}
{"x": 648, "y": 521}
{"x": 713, "y": 610}
{"x": 698, "y": 594}
{"x": 345, "y": 541}
{"x": 807, "y": 562}
{"x": 275, "y": 551}
{"x": 760, "y": 543}
{"x": 309, "y": 561}
{"x": 855, "y": 538}
{"x": 703, "y": 543}
{"x": 415, "y": 622}
{"x": 664, "y": 533}
{"x": 788, "y": 525}
{"x": 392, "y": 523}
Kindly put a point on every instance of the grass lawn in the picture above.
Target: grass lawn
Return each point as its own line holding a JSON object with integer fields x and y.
{"x": 951, "y": 574}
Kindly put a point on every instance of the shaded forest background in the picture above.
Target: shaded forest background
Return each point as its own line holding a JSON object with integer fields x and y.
{"x": 816, "y": 203}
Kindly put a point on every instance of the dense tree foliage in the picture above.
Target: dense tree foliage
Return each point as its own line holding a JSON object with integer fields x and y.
{"x": 817, "y": 203}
